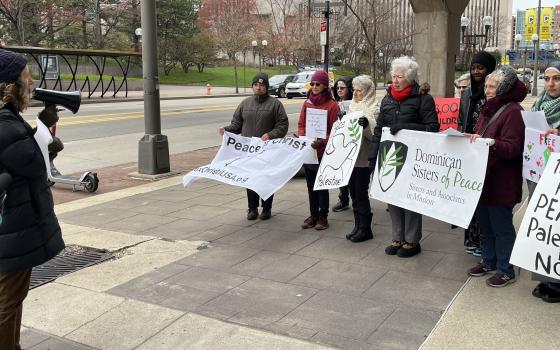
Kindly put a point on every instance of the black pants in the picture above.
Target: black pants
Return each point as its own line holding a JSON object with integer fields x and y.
{"x": 344, "y": 195}
{"x": 13, "y": 290}
{"x": 358, "y": 186}
{"x": 318, "y": 200}
{"x": 253, "y": 199}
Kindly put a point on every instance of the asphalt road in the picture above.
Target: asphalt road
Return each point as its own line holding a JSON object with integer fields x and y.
{"x": 106, "y": 134}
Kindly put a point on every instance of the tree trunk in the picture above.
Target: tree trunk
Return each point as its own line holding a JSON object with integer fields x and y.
{"x": 84, "y": 30}
{"x": 235, "y": 74}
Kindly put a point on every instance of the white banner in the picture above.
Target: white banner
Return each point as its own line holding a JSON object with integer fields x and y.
{"x": 262, "y": 166}
{"x": 537, "y": 152}
{"x": 432, "y": 174}
{"x": 43, "y": 138}
{"x": 537, "y": 247}
{"x": 341, "y": 153}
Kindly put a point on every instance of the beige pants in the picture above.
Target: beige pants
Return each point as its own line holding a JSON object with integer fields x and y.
{"x": 13, "y": 290}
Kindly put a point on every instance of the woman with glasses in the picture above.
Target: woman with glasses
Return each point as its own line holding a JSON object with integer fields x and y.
{"x": 549, "y": 102}
{"x": 472, "y": 100}
{"x": 318, "y": 97}
{"x": 461, "y": 84}
{"x": 406, "y": 106}
{"x": 343, "y": 91}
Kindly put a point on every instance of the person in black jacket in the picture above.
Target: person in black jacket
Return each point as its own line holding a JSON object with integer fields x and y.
{"x": 29, "y": 231}
{"x": 406, "y": 106}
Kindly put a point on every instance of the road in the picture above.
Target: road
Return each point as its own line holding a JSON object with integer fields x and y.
{"x": 107, "y": 134}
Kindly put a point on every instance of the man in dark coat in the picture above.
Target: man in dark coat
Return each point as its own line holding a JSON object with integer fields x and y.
{"x": 259, "y": 116}
{"x": 29, "y": 231}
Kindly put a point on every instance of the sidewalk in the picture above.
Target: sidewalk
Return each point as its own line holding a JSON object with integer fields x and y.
{"x": 190, "y": 272}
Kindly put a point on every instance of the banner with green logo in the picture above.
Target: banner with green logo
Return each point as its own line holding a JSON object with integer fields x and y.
{"x": 437, "y": 175}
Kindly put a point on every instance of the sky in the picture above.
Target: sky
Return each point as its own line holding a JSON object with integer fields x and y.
{"x": 523, "y": 4}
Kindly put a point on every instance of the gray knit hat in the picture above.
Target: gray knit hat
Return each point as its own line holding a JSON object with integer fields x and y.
{"x": 554, "y": 65}
{"x": 508, "y": 77}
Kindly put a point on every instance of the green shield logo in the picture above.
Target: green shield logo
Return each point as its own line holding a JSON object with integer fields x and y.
{"x": 390, "y": 160}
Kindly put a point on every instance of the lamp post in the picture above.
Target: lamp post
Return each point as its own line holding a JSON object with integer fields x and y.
{"x": 254, "y": 46}
{"x": 382, "y": 67}
{"x": 556, "y": 48}
{"x": 487, "y": 21}
{"x": 518, "y": 38}
{"x": 138, "y": 33}
{"x": 535, "y": 39}
{"x": 264, "y": 44}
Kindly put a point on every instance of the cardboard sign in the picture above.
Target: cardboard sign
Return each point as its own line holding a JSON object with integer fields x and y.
{"x": 448, "y": 112}
{"x": 537, "y": 247}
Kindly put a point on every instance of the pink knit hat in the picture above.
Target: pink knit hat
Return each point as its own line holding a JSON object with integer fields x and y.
{"x": 321, "y": 76}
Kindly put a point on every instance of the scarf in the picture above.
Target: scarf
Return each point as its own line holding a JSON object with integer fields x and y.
{"x": 401, "y": 95}
{"x": 318, "y": 100}
{"x": 551, "y": 108}
{"x": 368, "y": 105}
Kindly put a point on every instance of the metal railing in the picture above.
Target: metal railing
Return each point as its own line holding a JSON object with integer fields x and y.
{"x": 72, "y": 58}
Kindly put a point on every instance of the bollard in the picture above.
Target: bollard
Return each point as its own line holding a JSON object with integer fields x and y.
{"x": 208, "y": 89}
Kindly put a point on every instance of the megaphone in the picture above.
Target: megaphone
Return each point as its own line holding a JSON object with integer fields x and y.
{"x": 69, "y": 100}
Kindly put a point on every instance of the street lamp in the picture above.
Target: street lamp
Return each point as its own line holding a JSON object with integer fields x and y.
{"x": 535, "y": 39}
{"x": 138, "y": 33}
{"x": 465, "y": 22}
{"x": 556, "y": 48}
{"x": 487, "y": 21}
{"x": 254, "y": 46}
{"x": 264, "y": 44}
{"x": 382, "y": 67}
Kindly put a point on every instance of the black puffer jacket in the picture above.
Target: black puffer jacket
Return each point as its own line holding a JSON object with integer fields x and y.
{"x": 416, "y": 112}
{"x": 29, "y": 233}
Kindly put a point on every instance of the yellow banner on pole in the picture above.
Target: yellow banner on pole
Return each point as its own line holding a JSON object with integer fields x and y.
{"x": 546, "y": 23}
{"x": 530, "y": 23}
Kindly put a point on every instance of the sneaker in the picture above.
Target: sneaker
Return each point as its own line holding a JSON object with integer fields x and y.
{"x": 540, "y": 290}
{"x": 252, "y": 214}
{"x": 309, "y": 222}
{"x": 477, "y": 252}
{"x": 500, "y": 280}
{"x": 470, "y": 248}
{"x": 393, "y": 248}
{"x": 266, "y": 214}
{"x": 408, "y": 250}
{"x": 480, "y": 270}
{"x": 340, "y": 207}
{"x": 322, "y": 223}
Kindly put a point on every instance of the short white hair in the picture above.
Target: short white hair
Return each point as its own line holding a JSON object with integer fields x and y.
{"x": 465, "y": 76}
{"x": 407, "y": 66}
{"x": 364, "y": 81}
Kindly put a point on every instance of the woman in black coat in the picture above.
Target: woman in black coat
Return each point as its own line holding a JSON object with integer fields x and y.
{"x": 29, "y": 231}
{"x": 406, "y": 106}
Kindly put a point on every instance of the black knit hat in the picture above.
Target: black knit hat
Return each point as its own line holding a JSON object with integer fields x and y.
{"x": 11, "y": 66}
{"x": 261, "y": 78}
{"x": 486, "y": 59}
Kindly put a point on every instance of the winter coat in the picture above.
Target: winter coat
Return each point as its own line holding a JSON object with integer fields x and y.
{"x": 416, "y": 112}
{"x": 258, "y": 115}
{"x": 332, "y": 115}
{"x": 468, "y": 107}
{"x": 29, "y": 233}
{"x": 503, "y": 183}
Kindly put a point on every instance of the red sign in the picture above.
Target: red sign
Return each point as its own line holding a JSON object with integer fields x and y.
{"x": 323, "y": 26}
{"x": 448, "y": 112}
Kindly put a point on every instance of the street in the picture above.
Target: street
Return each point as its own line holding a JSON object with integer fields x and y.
{"x": 106, "y": 134}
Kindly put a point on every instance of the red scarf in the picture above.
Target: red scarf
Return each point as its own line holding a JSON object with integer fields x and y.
{"x": 401, "y": 95}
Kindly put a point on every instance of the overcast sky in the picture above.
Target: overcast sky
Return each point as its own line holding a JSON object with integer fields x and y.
{"x": 523, "y": 4}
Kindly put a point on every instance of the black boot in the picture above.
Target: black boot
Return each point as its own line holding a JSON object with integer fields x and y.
{"x": 364, "y": 229}
{"x": 356, "y": 224}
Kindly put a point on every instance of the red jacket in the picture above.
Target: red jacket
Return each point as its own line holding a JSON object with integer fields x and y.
{"x": 504, "y": 180}
{"x": 332, "y": 115}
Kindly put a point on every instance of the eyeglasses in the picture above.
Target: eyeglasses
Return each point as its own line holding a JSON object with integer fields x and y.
{"x": 461, "y": 87}
{"x": 314, "y": 84}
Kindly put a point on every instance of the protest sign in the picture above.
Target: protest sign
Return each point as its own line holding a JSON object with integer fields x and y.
{"x": 262, "y": 166}
{"x": 316, "y": 123}
{"x": 537, "y": 247}
{"x": 537, "y": 152}
{"x": 43, "y": 138}
{"x": 340, "y": 154}
{"x": 448, "y": 112}
{"x": 432, "y": 174}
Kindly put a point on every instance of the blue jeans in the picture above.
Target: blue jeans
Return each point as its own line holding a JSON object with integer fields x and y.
{"x": 497, "y": 237}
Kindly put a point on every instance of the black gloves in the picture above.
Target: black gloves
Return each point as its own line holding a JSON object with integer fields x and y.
{"x": 408, "y": 126}
{"x": 49, "y": 116}
{"x": 362, "y": 121}
{"x": 317, "y": 143}
{"x": 56, "y": 145}
{"x": 341, "y": 114}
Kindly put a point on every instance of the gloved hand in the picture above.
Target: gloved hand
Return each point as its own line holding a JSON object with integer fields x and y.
{"x": 295, "y": 135}
{"x": 362, "y": 121}
{"x": 316, "y": 144}
{"x": 56, "y": 145}
{"x": 341, "y": 114}
{"x": 49, "y": 116}
{"x": 396, "y": 128}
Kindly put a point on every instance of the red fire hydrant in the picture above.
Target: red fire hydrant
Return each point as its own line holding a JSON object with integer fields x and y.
{"x": 208, "y": 89}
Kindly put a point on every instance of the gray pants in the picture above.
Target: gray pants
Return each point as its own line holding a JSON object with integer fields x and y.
{"x": 406, "y": 225}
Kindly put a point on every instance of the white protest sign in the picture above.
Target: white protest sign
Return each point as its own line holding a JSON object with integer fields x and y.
{"x": 340, "y": 154}
{"x": 316, "y": 123}
{"x": 537, "y": 152}
{"x": 432, "y": 174}
{"x": 262, "y": 166}
{"x": 535, "y": 120}
{"x": 537, "y": 246}
{"x": 43, "y": 138}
